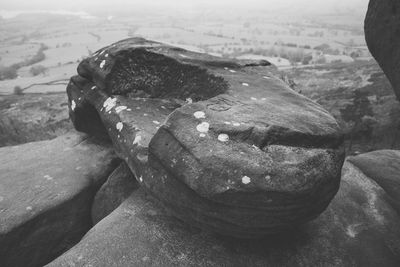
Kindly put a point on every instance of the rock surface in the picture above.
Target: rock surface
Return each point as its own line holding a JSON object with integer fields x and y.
{"x": 382, "y": 166}
{"x": 113, "y": 192}
{"x": 33, "y": 117}
{"x": 359, "y": 228}
{"x": 382, "y": 33}
{"x": 46, "y": 193}
{"x": 222, "y": 144}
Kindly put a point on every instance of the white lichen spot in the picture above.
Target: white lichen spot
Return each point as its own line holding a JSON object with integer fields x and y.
{"x": 156, "y": 122}
{"x": 246, "y": 180}
{"x": 109, "y": 103}
{"x": 255, "y": 147}
{"x": 29, "y": 208}
{"x": 202, "y": 135}
{"x": 73, "y": 105}
{"x": 199, "y": 115}
{"x": 106, "y": 55}
{"x": 141, "y": 179}
{"x": 93, "y": 87}
{"x": 253, "y": 98}
{"x": 96, "y": 58}
{"x": 266, "y": 77}
{"x": 223, "y": 137}
{"x": 203, "y": 127}
{"x": 236, "y": 124}
{"x": 102, "y": 64}
{"x": 263, "y": 99}
{"x": 79, "y": 98}
{"x": 245, "y": 84}
{"x": 268, "y": 178}
{"x": 226, "y": 68}
{"x": 137, "y": 140}
{"x": 227, "y": 123}
{"x": 163, "y": 107}
{"x": 119, "y": 126}
{"x": 128, "y": 109}
{"x": 189, "y": 100}
{"x": 353, "y": 230}
{"x": 145, "y": 114}
{"x": 102, "y": 52}
{"x": 48, "y": 177}
{"x": 137, "y": 108}
{"x": 120, "y": 108}
{"x": 233, "y": 71}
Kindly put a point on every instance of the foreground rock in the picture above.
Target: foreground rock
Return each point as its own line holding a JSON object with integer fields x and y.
{"x": 382, "y": 33}
{"x": 46, "y": 193}
{"x": 359, "y": 228}
{"x": 222, "y": 144}
{"x": 113, "y": 192}
{"x": 33, "y": 117}
{"x": 382, "y": 166}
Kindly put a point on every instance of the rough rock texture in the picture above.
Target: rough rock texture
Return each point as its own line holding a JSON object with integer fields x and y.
{"x": 113, "y": 192}
{"x": 382, "y": 33}
{"x": 359, "y": 228}
{"x": 382, "y": 166}
{"x": 223, "y": 144}
{"x": 46, "y": 193}
{"x": 33, "y": 117}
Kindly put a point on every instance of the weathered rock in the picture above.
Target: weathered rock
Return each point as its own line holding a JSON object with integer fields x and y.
{"x": 382, "y": 166}
{"x": 382, "y": 33}
{"x": 250, "y": 157}
{"x": 46, "y": 193}
{"x": 113, "y": 192}
{"x": 359, "y": 228}
{"x": 33, "y": 117}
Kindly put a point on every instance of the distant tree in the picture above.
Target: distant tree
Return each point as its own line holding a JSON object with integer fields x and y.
{"x": 18, "y": 90}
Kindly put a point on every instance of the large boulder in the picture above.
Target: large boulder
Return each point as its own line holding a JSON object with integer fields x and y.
{"x": 382, "y": 166}
{"x": 359, "y": 228}
{"x": 46, "y": 193}
{"x": 382, "y": 33}
{"x": 222, "y": 144}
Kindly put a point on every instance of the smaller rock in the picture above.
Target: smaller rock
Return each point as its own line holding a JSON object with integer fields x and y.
{"x": 114, "y": 191}
{"x": 382, "y": 166}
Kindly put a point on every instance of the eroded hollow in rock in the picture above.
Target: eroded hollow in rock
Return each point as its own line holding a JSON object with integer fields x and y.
{"x": 140, "y": 73}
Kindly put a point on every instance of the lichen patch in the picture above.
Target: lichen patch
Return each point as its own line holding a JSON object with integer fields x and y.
{"x": 223, "y": 137}
{"x": 109, "y": 103}
{"x": 119, "y": 126}
{"x": 199, "y": 115}
{"x": 203, "y": 127}
{"x": 120, "y": 108}
{"x": 73, "y": 105}
{"x": 246, "y": 180}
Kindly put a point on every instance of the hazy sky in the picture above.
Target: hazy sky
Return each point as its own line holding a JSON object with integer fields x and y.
{"x": 87, "y": 4}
